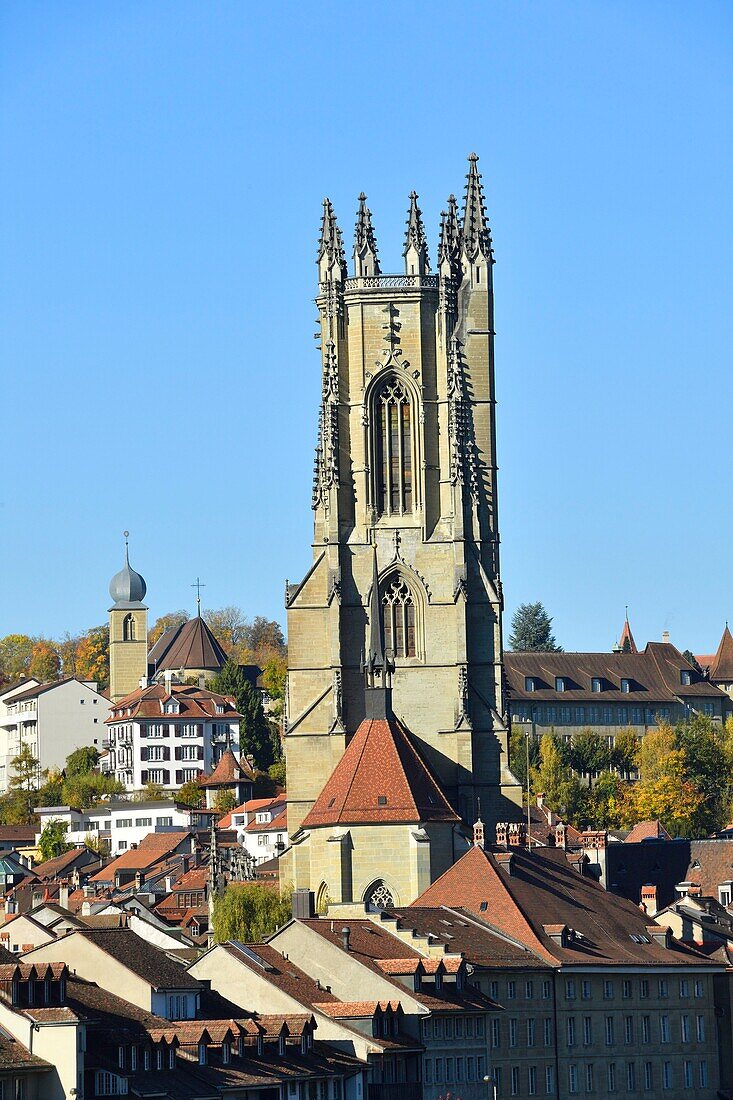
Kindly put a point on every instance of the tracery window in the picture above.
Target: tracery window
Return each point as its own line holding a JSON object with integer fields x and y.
{"x": 394, "y": 421}
{"x": 399, "y": 619}
{"x": 379, "y": 895}
{"x": 128, "y": 628}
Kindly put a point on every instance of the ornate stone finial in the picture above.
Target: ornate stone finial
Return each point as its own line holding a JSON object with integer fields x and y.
{"x": 366, "y": 262}
{"x": 476, "y": 234}
{"x": 331, "y": 259}
{"x": 449, "y": 247}
{"x": 417, "y": 260}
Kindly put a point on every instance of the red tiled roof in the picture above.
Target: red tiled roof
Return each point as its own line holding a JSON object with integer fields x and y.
{"x": 227, "y": 772}
{"x": 279, "y": 822}
{"x": 355, "y": 1009}
{"x": 542, "y": 891}
{"x": 722, "y": 665}
{"x": 152, "y": 849}
{"x": 627, "y": 636}
{"x": 647, "y": 830}
{"x": 194, "y": 704}
{"x": 381, "y": 777}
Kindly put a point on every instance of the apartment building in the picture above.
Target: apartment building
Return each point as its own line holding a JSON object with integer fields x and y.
{"x": 52, "y": 720}
{"x": 119, "y": 826}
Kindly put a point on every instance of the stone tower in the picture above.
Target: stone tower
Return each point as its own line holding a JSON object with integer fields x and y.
{"x": 405, "y": 477}
{"x": 128, "y": 631}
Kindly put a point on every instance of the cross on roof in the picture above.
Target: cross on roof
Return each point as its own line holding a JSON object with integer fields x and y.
{"x": 198, "y": 586}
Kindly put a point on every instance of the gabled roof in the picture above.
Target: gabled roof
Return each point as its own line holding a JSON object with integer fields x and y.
{"x": 194, "y": 704}
{"x": 191, "y": 645}
{"x": 41, "y": 689}
{"x": 151, "y": 850}
{"x": 138, "y": 955}
{"x": 647, "y": 830}
{"x": 722, "y": 666}
{"x": 227, "y": 772}
{"x": 540, "y": 895}
{"x": 381, "y": 777}
{"x": 52, "y": 868}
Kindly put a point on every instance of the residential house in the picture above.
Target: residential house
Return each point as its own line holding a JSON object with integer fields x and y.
{"x": 262, "y": 826}
{"x": 116, "y": 826}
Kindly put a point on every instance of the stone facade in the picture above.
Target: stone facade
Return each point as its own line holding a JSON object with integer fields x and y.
{"x": 406, "y": 464}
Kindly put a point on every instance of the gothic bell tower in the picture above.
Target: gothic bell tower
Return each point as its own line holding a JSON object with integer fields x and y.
{"x": 128, "y": 631}
{"x": 405, "y": 476}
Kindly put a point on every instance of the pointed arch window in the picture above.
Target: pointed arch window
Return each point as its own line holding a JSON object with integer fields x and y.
{"x": 400, "y": 628}
{"x": 394, "y": 420}
{"x": 379, "y": 895}
{"x": 129, "y": 628}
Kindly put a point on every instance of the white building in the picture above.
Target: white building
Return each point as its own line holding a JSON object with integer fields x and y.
{"x": 51, "y": 719}
{"x": 169, "y": 734}
{"x": 262, "y": 826}
{"x": 120, "y": 824}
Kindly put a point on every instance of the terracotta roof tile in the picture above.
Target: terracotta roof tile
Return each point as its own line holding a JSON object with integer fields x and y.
{"x": 647, "y": 830}
{"x": 381, "y": 777}
{"x": 722, "y": 665}
{"x": 195, "y": 704}
{"x": 151, "y": 850}
{"x": 227, "y": 772}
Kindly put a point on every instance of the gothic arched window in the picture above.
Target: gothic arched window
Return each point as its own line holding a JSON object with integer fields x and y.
{"x": 400, "y": 633}
{"x": 129, "y": 629}
{"x": 394, "y": 448}
{"x": 379, "y": 895}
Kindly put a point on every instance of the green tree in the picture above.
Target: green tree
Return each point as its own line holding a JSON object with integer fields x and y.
{"x": 151, "y": 792}
{"x": 249, "y": 912}
{"x": 84, "y": 791}
{"x": 190, "y": 794}
{"x": 23, "y": 783}
{"x": 705, "y": 767}
{"x": 273, "y": 677}
{"x": 92, "y": 656}
{"x": 16, "y": 651}
{"x": 255, "y": 736}
{"x": 588, "y": 753}
{"x": 606, "y": 800}
{"x": 692, "y": 660}
{"x": 224, "y": 801}
{"x": 277, "y": 773}
{"x": 52, "y": 841}
{"x": 45, "y": 663}
{"x": 518, "y": 754}
{"x": 66, "y": 648}
{"x": 562, "y": 789}
{"x": 531, "y": 630}
{"x": 622, "y": 756}
{"x": 51, "y": 791}
{"x": 82, "y": 761}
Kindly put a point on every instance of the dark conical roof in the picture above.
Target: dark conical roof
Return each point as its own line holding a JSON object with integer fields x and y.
{"x": 722, "y": 666}
{"x": 127, "y": 588}
{"x": 191, "y": 645}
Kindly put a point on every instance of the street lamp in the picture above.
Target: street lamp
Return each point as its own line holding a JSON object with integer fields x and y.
{"x": 489, "y": 1079}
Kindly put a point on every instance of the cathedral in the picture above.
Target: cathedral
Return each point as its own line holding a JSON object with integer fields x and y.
{"x": 396, "y": 729}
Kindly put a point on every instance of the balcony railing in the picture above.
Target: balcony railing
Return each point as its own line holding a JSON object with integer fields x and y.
{"x": 369, "y": 282}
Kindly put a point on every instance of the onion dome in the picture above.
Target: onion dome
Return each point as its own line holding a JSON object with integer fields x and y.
{"x": 127, "y": 588}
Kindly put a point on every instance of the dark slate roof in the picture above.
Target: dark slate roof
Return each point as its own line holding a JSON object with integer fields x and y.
{"x": 460, "y": 931}
{"x": 654, "y": 675}
{"x": 148, "y": 962}
{"x": 381, "y": 777}
{"x": 265, "y": 961}
{"x": 664, "y": 863}
{"x": 14, "y": 1057}
{"x": 191, "y": 645}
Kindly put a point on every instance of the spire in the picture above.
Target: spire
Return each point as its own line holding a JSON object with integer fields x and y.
{"x": 366, "y": 262}
{"x": 449, "y": 247}
{"x": 127, "y": 588}
{"x": 722, "y": 666}
{"x": 377, "y": 667}
{"x": 417, "y": 260}
{"x": 626, "y": 643}
{"x": 375, "y": 655}
{"x": 331, "y": 258}
{"x": 476, "y": 234}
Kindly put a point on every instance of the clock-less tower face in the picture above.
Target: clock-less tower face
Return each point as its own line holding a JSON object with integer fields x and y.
{"x": 128, "y": 631}
{"x": 406, "y": 463}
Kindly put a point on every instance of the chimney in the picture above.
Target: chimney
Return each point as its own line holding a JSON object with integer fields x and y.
{"x": 64, "y": 895}
{"x": 594, "y": 839}
{"x": 202, "y": 681}
{"x": 561, "y": 835}
{"x": 660, "y": 934}
{"x": 649, "y": 899}
{"x": 501, "y": 833}
{"x": 345, "y": 937}
{"x": 517, "y": 834}
{"x": 665, "y": 637}
{"x": 504, "y": 860}
{"x": 88, "y": 891}
{"x": 144, "y": 682}
{"x": 478, "y": 833}
{"x": 168, "y": 679}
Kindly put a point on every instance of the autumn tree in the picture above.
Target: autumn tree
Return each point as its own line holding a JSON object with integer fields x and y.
{"x": 228, "y": 624}
{"x": 45, "y": 663}
{"x": 66, "y": 648}
{"x": 273, "y": 677}
{"x": 623, "y": 755}
{"x": 165, "y": 622}
{"x": 190, "y": 794}
{"x": 562, "y": 789}
{"x": 92, "y": 656}
{"x": 531, "y": 630}
{"x": 249, "y": 912}
{"x": 52, "y": 841}
{"x": 82, "y": 761}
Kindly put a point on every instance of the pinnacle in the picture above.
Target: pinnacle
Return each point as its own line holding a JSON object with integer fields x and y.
{"x": 476, "y": 234}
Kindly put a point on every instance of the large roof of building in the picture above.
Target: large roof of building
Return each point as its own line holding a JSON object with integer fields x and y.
{"x": 381, "y": 777}
{"x": 41, "y": 689}
{"x": 190, "y": 645}
{"x": 138, "y": 955}
{"x": 61, "y": 865}
{"x": 664, "y": 863}
{"x": 194, "y": 704}
{"x": 460, "y": 931}
{"x": 151, "y": 850}
{"x": 265, "y": 960}
{"x": 538, "y": 894}
{"x": 647, "y": 830}
{"x": 655, "y": 676}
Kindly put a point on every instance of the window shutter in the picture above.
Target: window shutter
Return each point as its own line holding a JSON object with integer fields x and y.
{"x": 144, "y": 752}
{"x": 179, "y": 777}
{"x": 143, "y": 730}
{"x": 143, "y": 777}
{"x": 200, "y": 729}
{"x": 179, "y": 752}
{"x": 200, "y": 752}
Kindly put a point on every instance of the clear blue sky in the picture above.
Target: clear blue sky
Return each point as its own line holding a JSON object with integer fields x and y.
{"x": 163, "y": 170}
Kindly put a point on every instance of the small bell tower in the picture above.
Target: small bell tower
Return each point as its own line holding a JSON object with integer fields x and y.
{"x": 128, "y": 630}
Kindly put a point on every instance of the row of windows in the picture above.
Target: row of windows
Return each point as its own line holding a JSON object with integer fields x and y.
{"x": 141, "y": 822}
{"x": 684, "y": 987}
{"x": 585, "y": 987}
{"x": 609, "y": 715}
{"x": 597, "y": 684}
{"x": 454, "y": 1069}
{"x": 626, "y": 1078}
{"x": 460, "y": 1027}
{"x": 629, "y": 1030}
